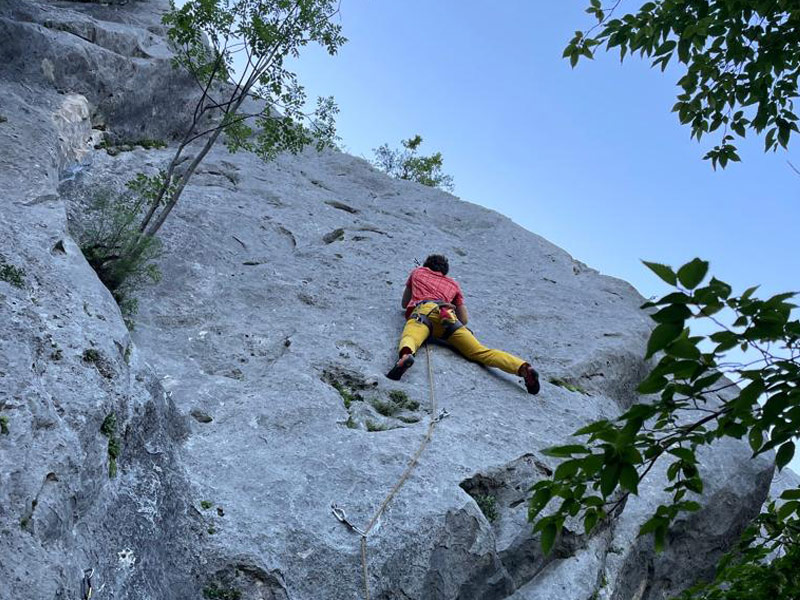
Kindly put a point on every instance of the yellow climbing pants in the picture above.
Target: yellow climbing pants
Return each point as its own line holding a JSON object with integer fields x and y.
{"x": 415, "y": 334}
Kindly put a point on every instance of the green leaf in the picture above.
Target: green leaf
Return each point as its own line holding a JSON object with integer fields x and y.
{"x": 695, "y": 484}
{"x": 787, "y": 509}
{"x": 609, "y": 478}
{"x": 756, "y": 439}
{"x": 594, "y": 427}
{"x": 595, "y": 501}
{"x": 539, "y": 500}
{"x": 692, "y": 273}
{"x": 785, "y": 454}
{"x": 548, "y": 537}
{"x": 749, "y": 292}
{"x": 639, "y": 411}
{"x": 660, "y": 536}
{"x": 663, "y": 271}
{"x": 675, "y": 297}
{"x": 566, "y": 469}
{"x": 792, "y": 494}
{"x": 666, "y": 47}
{"x": 589, "y": 521}
{"x": 683, "y": 348}
{"x": 650, "y": 525}
{"x": 708, "y": 381}
{"x": 629, "y": 478}
{"x": 684, "y": 454}
{"x": 674, "y": 313}
{"x": 565, "y": 451}
{"x": 751, "y": 393}
{"x": 662, "y": 336}
{"x": 654, "y": 383}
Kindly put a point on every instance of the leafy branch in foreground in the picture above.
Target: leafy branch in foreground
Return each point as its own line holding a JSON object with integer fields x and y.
{"x": 742, "y": 62}
{"x": 702, "y": 397}
{"x": 406, "y": 164}
{"x": 764, "y": 564}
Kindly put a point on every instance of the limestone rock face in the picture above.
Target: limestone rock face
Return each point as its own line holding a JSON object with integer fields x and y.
{"x": 251, "y": 396}
{"x": 115, "y": 56}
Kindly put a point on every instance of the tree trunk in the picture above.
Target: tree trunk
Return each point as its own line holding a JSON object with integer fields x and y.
{"x": 154, "y": 227}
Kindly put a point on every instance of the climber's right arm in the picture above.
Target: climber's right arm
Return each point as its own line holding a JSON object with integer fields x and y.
{"x": 406, "y": 296}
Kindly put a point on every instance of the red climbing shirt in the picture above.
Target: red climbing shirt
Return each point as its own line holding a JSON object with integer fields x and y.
{"x": 426, "y": 284}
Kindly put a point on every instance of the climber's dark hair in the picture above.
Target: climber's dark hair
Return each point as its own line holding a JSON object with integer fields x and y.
{"x": 437, "y": 262}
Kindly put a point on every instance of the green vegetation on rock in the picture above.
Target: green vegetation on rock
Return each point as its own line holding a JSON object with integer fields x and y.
{"x": 214, "y": 592}
{"x": 373, "y": 426}
{"x": 11, "y": 274}
{"x": 348, "y": 396}
{"x": 568, "y": 386}
{"x": 109, "y": 429}
{"x": 488, "y": 505}
{"x": 109, "y": 238}
{"x": 406, "y": 164}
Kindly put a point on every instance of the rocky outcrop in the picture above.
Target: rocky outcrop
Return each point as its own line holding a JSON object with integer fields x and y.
{"x": 250, "y": 395}
{"x": 115, "y": 56}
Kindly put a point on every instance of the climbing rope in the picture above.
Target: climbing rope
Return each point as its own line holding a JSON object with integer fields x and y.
{"x": 339, "y": 512}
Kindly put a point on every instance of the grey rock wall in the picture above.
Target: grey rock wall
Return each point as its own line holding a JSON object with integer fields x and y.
{"x": 281, "y": 283}
{"x": 115, "y": 56}
{"x": 66, "y": 363}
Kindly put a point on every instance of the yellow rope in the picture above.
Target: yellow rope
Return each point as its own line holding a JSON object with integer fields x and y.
{"x": 434, "y": 419}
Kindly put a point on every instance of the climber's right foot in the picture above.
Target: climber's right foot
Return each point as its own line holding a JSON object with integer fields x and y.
{"x": 402, "y": 365}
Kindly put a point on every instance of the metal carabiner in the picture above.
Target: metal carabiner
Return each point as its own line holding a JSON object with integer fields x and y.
{"x": 443, "y": 414}
{"x": 339, "y": 513}
{"x": 88, "y": 589}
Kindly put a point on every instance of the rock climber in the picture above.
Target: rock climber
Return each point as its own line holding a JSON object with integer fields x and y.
{"x": 435, "y": 306}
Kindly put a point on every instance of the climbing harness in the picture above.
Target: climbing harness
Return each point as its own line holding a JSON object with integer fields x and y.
{"x": 339, "y": 512}
{"x": 448, "y": 319}
{"x": 87, "y": 589}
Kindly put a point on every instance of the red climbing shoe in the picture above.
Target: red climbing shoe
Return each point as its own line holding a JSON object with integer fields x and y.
{"x": 531, "y": 378}
{"x": 403, "y": 364}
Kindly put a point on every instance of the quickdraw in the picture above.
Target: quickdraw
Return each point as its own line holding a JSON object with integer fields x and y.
{"x": 87, "y": 588}
{"x": 339, "y": 513}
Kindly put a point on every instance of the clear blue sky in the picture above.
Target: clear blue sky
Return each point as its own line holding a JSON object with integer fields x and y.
{"x": 591, "y": 158}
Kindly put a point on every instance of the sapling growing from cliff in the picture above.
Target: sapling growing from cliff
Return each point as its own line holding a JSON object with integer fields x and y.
{"x": 236, "y": 52}
{"x": 702, "y": 396}
{"x": 407, "y": 164}
{"x": 209, "y": 37}
{"x": 110, "y": 240}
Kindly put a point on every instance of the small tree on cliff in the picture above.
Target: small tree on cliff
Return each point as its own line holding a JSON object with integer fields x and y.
{"x": 209, "y": 35}
{"x": 210, "y": 38}
{"x": 406, "y": 164}
{"x": 741, "y": 59}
